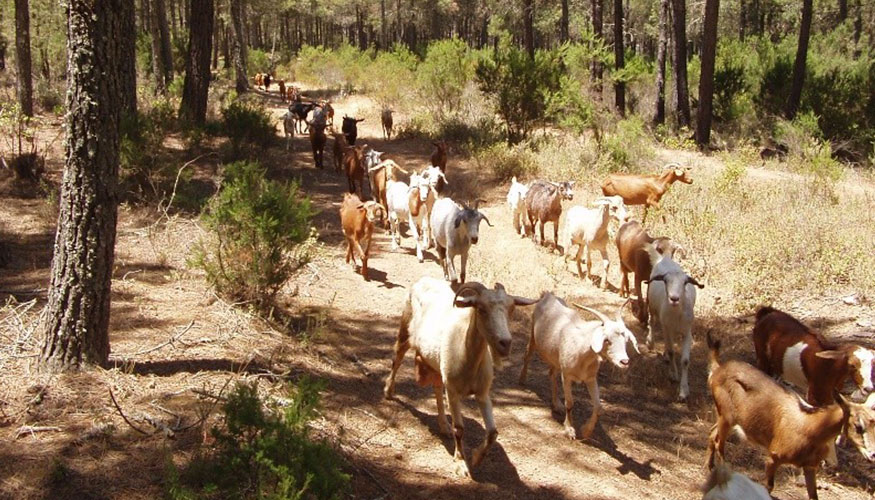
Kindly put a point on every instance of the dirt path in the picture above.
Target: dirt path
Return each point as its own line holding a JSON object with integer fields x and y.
{"x": 645, "y": 446}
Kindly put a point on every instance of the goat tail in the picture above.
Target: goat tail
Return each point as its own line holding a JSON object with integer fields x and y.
{"x": 763, "y": 311}
{"x": 713, "y": 352}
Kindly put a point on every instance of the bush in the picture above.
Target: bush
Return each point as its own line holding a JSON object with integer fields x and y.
{"x": 142, "y": 170}
{"x": 629, "y": 146}
{"x": 569, "y": 106}
{"x": 388, "y": 79}
{"x": 247, "y": 124}
{"x": 258, "y": 226}
{"x": 444, "y": 74}
{"x": 506, "y": 162}
{"x": 264, "y": 453}
{"x": 257, "y": 61}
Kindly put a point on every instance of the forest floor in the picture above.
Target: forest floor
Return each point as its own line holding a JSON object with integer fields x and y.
{"x": 174, "y": 343}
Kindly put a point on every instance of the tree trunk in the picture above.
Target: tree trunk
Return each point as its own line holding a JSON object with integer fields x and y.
{"x": 3, "y": 46}
{"x": 598, "y": 34}
{"x": 238, "y": 46}
{"x": 158, "y": 70}
{"x": 563, "y": 23}
{"x": 383, "y": 40}
{"x": 159, "y": 17}
{"x": 662, "y": 44}
{"x": 145, "y": 17}
{"x": 679, "y": 15}
{"x": 706, "y": 81}
{"x": 799, "y": 66}
{"x": 24, "y": 85}
{"x": 529, "y": 27}
{"x": 217, "y": 41}
{"x": 619, "y": 86}
{"x": 193, "y": 107}
{"x": 128, "y": 63}
{"x": 858, "y": 30}
{"x": 843, "y": 10}
{"x": 78, "y": 308}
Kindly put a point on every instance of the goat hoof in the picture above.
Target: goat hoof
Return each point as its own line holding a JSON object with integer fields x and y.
{"x": 570, "y": 433}
{"x": 461, "y": 468}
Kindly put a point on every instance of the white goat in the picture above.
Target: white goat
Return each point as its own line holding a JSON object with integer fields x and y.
{"x": 451, "y": 334}
{"x": 516, "y": 200}
{"x": 421, "y": 206}
{"x": 398, "y": 198}
{"x": 671, "y": 307}
{"x": 574, "y": 348}
{"x": 455, "y": 228}
{"x": 723, "y": 484}
{"x": 289, "y": 127}
{"x": 588, "y": 229}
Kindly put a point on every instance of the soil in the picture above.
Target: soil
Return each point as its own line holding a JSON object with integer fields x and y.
{"x": 174, "y": 343}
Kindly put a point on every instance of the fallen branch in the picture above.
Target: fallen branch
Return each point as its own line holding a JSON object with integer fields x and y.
{"x": 120, "y": 412}
{"x": 28, "y": 429}
{"x": 161, "y": 345}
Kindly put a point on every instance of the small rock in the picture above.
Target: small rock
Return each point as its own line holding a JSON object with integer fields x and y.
{"x": 852, "y": 300}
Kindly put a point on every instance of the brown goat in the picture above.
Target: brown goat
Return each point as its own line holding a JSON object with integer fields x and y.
{"x": 357, "y": 219}
{"x": 632, "y": 242}
{"x": 380, "y": 175}
{"x": 776, "y": 419}
{"x": 644, "y": 190}
{"x": 317, "y": 142}
{"x": 340, "y": 148}
{"x": 439, "y": 160}
{"x": 787, "y": 348}
{"x": 354, "y": 168}
{"x": 386, "y": 120}
{"x": 544, "y": 204}
{"x": 281, "y": 86}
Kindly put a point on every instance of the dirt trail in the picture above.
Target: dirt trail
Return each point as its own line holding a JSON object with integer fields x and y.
{"x": 645, "y": 446}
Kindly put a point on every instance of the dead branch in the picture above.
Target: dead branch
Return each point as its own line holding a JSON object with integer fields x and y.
{"x": 161, "y": 345}
{"x": 28, "y": 429}
{"x": 120, "y": 412}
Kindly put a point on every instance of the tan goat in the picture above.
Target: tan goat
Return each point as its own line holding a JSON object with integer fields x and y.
{"x": 645, "y": 190}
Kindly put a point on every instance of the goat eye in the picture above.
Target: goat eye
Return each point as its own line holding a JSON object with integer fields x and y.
{"x": 859, "y": 428}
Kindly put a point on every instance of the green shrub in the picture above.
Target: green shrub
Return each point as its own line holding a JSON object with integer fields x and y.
{"x": 443, "y": 75}
{"x": 257, "y": 61}
{"x": 506, "y": 162}
{"x": 263, "y": 453}
{"x": 259, "y": 226}
{"x": 569, "y": 107}
{"x": 730, "y": 80}
{"x": 143, "y": 171}
{"x": 48, "y": 97}
{"x": 247, "y": 124}
{"x": 629, "y": 146}
{"x": 388, "y": 78}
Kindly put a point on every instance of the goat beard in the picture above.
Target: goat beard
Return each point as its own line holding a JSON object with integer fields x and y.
{"x": 497, "y": 361}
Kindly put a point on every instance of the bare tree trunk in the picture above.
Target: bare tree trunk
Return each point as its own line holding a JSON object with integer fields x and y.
{"x": 679, "y": 15}
{"x": 78, "y": 308}
{"x": 158, "y": 70}
{"x": 598, "y": 33}
{"x": 662, "y": 44}
{"x": 843, "y": 10}
{"x": 128, "y": 47}
{"x": 238, "y": 47}
{"x": 529, "y": 27}
{"x": 159, "y": 17}
{"x": 619, "y": 63}
{"x": 383, "y": 40}
{"x": 193, "y": 107}
{"x": 858, "y": 30}
{"x": 24, "y": 86}
{"x": 563, "y": 23}
{"x": 799, "y": 65}
{"x": 706, "y": 81}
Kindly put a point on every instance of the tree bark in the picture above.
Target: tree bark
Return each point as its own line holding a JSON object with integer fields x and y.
{"x": 679, "y": 18}
{"x": 193, "y": 107}
{"x": 238, "y": 46}
{"x": 843, "y": 10}
{"x": 78, "y": 306}
{"x": 662, "y": 45}
{"x": 706, "y": 81}
{"x": 799, "y": 65}
{"x": 563, "y": 23}
{"x": 598, "y": 33}
{"x": 619, "y": 63}
{"x": 529, "y": 27}
{"x": 159, "y": 18}
{"x": 24, "y": 86}
{"x": 128, "y": 48}
{"x": 3, "y": 46}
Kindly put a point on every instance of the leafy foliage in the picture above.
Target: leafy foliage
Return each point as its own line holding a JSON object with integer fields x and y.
{"x": 258, "y": 227}
{"x": 443, "y": 75}
{"x": 247, "y": 124}
{"x": 263, "y": 453}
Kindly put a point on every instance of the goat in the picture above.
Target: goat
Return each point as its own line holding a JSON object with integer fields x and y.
{"x": 379, "y": 176}
{"x": 350, "y": 128}
{"x": 329, "y": 111}
{"x": 787, "y": 348}
{"x": 574, "y": 348}
{"x": 645, "y": 190}
{"x": 357, "y": 220}
{"x": 289, "y": 128}
{"x": 354, "y": 168}
{"x": 258, "y": 79}
{"x": 398, "y": 202}
{"x": 301, "y": 109}
{"x": 281, "y": 88}
{"x": 588, "y": 229}
{"x": 439, "y": 160}
{"x": 723, "y": 484}
{"x": 386, "y": 120}
{"x": 455, "y": 229}
{"x": 544, "y": 204}
{"x": 516, "y": 200}
{"x": 372, "y": 159}
{"x": 671, "y": 306}
{"x": 458, "y": 339}
{"x": 292, "y": 93}
{"x": 634, "y": 258}
{"x": 317, "y": 143}
{"x": 422, "y": 202}
{"x": 266, "y": 82}
{"x": 340, "y": 148}
{"x": 775, "y": 418}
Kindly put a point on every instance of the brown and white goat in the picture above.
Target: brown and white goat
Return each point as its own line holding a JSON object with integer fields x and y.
{"x": 787, "y": 348}
{"x": 357, "y": 220}
{"x": 645, "y": 190}
{"x": 380, "y": 174}
{"x": 773, "y": 417}
{"x": 354, "y": 168}
{"x": 632, "y": 242}
{"x": 458, "y": 338}
{"x": 544, "y": 204}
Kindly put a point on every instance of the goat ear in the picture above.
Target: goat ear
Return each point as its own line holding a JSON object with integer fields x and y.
{"x": 693, "y": 281}
{"x": 631, "y": 338}
{"x": 598, "y": 339}
{"x": 470, "y": 301}
{"x": 870, "y": 401}
{"x": 522, "y": 301}
{"x": 457, "y": 221}
{"x": 831, "y": 354}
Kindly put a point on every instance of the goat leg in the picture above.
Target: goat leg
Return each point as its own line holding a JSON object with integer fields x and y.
{"x": 530, "y": 349}
{"x": 461, "y": 468}
{"x": 606, "y": 263}
{"x": 485, "y": 403}
{"x": 811, "y": 481}
{"x": 593, "y": 387}
{"x": 570, "y": 432}
{"x": 442, "y": 415}
{"x": 402, "y": 344}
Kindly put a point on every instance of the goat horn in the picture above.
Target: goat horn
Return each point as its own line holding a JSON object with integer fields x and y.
{"x": 472, "y": 285}
{"x": 671, "y": 165}
{"x": 477, "y": 202}
{"x": 604, "y": 319}
{"x": 486, "y": 219}
{"x": 620, "y": 310}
